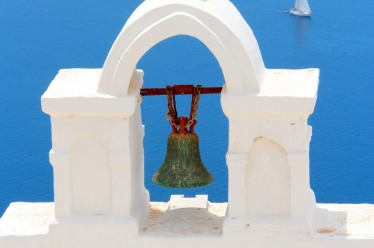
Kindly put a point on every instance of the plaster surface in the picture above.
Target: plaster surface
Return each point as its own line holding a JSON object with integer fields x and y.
{"x": 354, "y": 221}
{"x": 33, "y": 225}
{"x": 185, "y": 217}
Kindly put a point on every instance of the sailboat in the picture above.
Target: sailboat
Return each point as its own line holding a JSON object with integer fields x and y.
{"x": 301, "y": 8}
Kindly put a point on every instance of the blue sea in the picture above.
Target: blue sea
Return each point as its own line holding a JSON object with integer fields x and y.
{"x": 40, "y": 37}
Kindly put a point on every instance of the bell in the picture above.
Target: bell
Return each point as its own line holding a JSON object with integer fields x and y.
{"x": 182, "y": 167}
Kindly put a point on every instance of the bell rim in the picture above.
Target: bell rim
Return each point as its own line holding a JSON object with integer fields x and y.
{"x": 183, "y": 184}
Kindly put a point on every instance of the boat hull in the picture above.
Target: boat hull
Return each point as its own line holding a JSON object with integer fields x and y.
{"x": 297, "y": 12}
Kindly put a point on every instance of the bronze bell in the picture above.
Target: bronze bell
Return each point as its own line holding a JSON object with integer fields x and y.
{"x": 182, "y": 167}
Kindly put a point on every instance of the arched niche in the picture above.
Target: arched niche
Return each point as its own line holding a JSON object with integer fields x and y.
{"x": 267, "y": 179}
{"x": 219, "y": 26}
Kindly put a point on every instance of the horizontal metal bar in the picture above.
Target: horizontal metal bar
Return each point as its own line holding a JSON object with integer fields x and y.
{"x": 179, "y": 90}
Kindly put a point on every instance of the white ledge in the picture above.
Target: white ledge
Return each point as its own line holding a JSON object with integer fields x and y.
{"x": 73, "y": 93}
{"x": 26, "y": 219}
{"x": 349, "y": 221}
{"x": 354, "y": 221}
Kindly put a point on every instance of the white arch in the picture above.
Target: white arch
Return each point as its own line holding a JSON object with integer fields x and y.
{"x": 216, "y": 23}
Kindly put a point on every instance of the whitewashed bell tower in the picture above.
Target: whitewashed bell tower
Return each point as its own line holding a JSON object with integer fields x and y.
{"x": 97, "y": 131}
{"x": 97, "y": 144}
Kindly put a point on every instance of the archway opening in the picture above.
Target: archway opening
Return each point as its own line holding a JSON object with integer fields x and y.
{"x": 184, "y": 60}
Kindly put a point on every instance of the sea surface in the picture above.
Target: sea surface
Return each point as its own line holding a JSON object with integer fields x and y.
{"x": 40, "y": 37}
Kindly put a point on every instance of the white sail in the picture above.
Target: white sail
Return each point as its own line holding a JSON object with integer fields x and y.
{"x": 301, "y": 8}
{"x": 302, "y": 5}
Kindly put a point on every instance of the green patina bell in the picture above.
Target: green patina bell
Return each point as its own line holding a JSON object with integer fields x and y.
{"x": 182, "y": 167}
